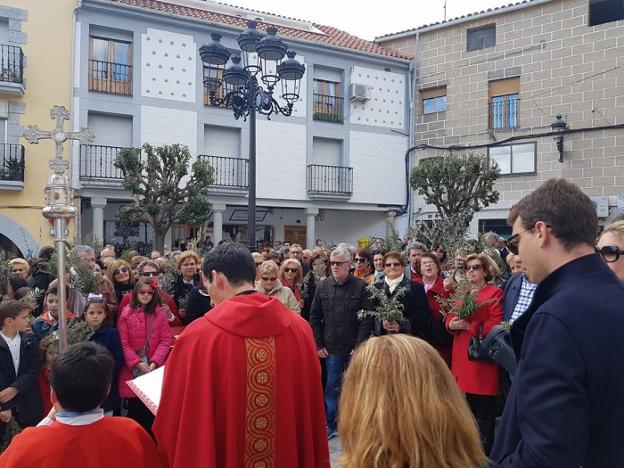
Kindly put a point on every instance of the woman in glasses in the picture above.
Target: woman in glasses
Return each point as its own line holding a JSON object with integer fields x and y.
{"x": 478, "y": 379}
{"x": 416, "y": 314}
{"x": 611, "y": 247}
{"x": 270, "y": 285}
{"x": 121, "y": 275}
{"x": 364, "y": 268}
{"x": 291, "y": 276}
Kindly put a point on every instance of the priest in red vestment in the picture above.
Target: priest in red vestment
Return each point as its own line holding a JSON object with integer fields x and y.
{"x": 242, "y": 386}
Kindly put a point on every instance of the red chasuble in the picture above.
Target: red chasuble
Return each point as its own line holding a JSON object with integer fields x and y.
{"x": 109, "y": 442}
{"x": 242, "y": 389}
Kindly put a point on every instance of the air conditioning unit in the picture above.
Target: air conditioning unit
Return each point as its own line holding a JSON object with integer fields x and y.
{"x": 359, "y": 93}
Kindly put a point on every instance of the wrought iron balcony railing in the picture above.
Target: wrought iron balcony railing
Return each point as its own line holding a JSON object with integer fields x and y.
{"x": 12, "y": 163}
{"x": 110, "y": 77}
{"x": 228, "y": 172}
{"x": 11, "y": 64}
{"x": 330, "y": 180}
{"x": 328, "y": 108}
{"x": 98, "y": 163}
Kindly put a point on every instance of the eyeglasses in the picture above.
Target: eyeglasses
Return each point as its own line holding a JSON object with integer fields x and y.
{"x": 513, "y": 241}
{"x": 120, "y": 270}
{"x": 610, "y": 253}
{"x": 426, "y": 264}
{"x": 146, "y": 293}
{"x": 290, "y": 270}
{"x": 360, "y": 260}
{"x": 150, "y": 273}
{"x": 475, "y": 267}
{"x": 337, "y": 264}
{"x": 392, "y": 265}
{"x": 268, "y": 279}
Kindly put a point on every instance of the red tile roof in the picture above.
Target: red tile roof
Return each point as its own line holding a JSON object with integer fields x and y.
{"x": 334, "y": 37}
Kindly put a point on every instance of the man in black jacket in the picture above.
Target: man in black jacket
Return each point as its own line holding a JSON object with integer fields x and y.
{"x": 337, "y": 329}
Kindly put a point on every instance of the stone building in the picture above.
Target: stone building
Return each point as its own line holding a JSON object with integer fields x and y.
{"x": 498, "y": 79}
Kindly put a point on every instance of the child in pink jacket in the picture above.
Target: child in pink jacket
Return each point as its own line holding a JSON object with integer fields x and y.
{"x": 145, "y": 339}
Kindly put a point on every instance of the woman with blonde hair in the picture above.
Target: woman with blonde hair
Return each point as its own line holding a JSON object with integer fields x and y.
{"x": 611, "y": 247}
{"x": 291, "y": 276}
{"x": 121, "y": 275}
{"x": 269, "y": 284}
{"x": 400, "y": 408}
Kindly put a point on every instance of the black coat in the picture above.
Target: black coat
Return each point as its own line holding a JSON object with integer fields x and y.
{"x": 416, "y": 313}
{"x": 181, "y": 289}
{"x": 333, "y": 315}
{"x": 564, "y": 408}
{"x": 108, "y": 337}
{"x": 511, "y": 293}
{"x": 26, "y": 405}
{"x": 197, "y": 304}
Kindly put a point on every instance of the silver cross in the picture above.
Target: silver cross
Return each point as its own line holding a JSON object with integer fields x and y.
{"x": 58, "y": 113}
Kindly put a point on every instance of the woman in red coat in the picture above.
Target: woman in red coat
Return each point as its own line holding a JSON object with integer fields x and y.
{"x": 441, "y": 339}
{"x": 478, "y": 379}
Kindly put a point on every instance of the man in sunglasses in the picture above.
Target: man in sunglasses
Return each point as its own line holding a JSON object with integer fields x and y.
{"x": 564, "y": 408}
{"x": 337, "y": 329}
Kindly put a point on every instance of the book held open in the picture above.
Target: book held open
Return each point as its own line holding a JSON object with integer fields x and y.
{"x": 148, "y": 388}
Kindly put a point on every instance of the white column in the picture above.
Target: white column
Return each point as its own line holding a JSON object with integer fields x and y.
{"x": 390, "y": 220}
{"x": 217, "y": 222}
{"x": 310, "y": 232}
{"x": 98, "y": 205}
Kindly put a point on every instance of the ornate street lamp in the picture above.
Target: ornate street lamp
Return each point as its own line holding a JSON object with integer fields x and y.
{"x": 59, "y": 197}
{"x": 559, "y": 125}
{"x": 262, "y": 62}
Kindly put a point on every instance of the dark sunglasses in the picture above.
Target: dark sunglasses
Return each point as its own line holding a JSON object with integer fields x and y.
{"x": 290, "y": 270}
{"x": 360, "y": 260}
{"x": 150, "y": 273}
{"x": 393, "y": 264}
{"x": 475, "y": 267}
{"x": 120, "y": 270}
{"x": 337, "y": 263}
{"x": 610, "y": 253}
{"x": 512, "y": 242}
{"x": 268, "y": 279}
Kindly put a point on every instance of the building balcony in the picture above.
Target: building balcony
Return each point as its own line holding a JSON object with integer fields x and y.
{"x": 11, "y": 167}
{"x": 328, "y": 108}
{"x": 330, "y": 181}
{"x": 504, "y": 111}
{"x": 11, "y": 70}
{"x": 110, "y": 77}
{"x": 97, "y": 164}
{"x": 230, "y": 174}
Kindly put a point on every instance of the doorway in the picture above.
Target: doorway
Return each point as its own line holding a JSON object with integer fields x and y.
{"x": 295, "y": 235}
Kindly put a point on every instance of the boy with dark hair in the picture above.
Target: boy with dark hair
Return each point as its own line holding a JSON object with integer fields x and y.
{"x": 20, "y": 365}
{"x": 76, "y": 433}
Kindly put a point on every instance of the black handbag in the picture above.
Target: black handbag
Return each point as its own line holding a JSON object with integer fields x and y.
{"x": 478, "y": 350}
{"x": 495, "y": 347}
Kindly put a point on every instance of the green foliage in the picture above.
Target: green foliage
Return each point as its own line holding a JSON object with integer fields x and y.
{"x": 388, "y": 308}
{"x": 83, "y": 279}
{"x": 165, "y": 191}
{"x": 4, "y": 269}
{"x": 170, "y": 275}
{"x": 463, "y": 301}
{"x": 12, "y": 429}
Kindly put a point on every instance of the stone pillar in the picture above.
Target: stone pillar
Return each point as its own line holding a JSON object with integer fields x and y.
{"x": 390, "y": 220}
{"x": 217, "y": 222}
{"x": 310, "y": 231}
{"x": 98, "y": 205}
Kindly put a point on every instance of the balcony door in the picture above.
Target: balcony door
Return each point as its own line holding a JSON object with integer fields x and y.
{"x": 111, "y": 69}
{"x": 295, "y": 235}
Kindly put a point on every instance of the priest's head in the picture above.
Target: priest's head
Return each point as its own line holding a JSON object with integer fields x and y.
{"x": 227, "y": 271}
{"x": 80, "y": 377}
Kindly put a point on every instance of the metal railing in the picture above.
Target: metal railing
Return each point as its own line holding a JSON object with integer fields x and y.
{"x": 228, "y": 172}
{"x": 110, "y": 77}
{"x": 330, "y": 179}
{"x": 328, "y": 108}
{"x": 12, "y": 162}
{"x": 11, "y": 64}
{"x": 98, "y": 162}
{"x": 504, "y": 111}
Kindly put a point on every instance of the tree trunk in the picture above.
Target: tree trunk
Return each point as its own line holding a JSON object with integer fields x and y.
{"x": 159, "y": 236}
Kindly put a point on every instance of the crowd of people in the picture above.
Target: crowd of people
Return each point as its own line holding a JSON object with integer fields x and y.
{"x": 371, "y": 343}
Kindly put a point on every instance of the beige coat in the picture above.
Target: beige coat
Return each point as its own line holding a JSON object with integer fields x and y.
{"x": 284, "y": 294}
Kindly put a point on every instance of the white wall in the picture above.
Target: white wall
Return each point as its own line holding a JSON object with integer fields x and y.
{"x": 386, "y": 108}
{"x": 348, "y": 226}
{"x": 378, "y": 163}
{"x": 281, "y": 160}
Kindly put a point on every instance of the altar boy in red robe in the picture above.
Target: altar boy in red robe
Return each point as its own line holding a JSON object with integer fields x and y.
{"x": 242, "y": 386}
{"x": 76, "y": 434}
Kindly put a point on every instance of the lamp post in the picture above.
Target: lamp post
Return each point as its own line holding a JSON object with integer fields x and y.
{"x": 59, "y": 196}
{"x": 559, "y": 125}
{"x": 263, "y": 63}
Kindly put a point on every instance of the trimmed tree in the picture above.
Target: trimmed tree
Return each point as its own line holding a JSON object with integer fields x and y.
{"x": 458, "y": 186}
{"x": 165, "y": 192}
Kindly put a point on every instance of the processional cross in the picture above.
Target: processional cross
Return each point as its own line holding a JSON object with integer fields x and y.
{"x": 59, "y": 113}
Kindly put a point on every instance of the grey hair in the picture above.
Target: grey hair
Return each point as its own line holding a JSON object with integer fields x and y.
{"x": 342, "y": 252}
{"x": 80, "y": 249}
{"x": 415, "y": 246}
{"x": 491, "y": 235}
{"x": 141, "y": 266}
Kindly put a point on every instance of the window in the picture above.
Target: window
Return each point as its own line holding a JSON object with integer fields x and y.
{"x": 504, "y": 103}
{"x": 110, "y": 68}
{"x": 481, "y": 38}
{"x": 434, "y": 100}
{"x": 514, "y": 159}
{"x": 605, "y": 11}
{"x": 328, "y": 101}
{"x": 213, "y": 78}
